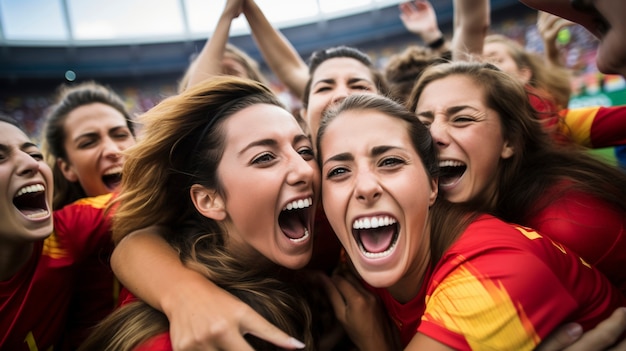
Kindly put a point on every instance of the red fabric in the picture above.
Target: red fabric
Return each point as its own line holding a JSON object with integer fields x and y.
{"x": 504, "y": 287}
{"x": 591, "y": 227}
{"x": 35, "y": 302}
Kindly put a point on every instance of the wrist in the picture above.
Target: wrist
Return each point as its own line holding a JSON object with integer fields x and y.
{"x": 437, "y": 43}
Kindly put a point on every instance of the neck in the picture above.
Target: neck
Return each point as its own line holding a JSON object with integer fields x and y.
{"x": 13, "y": 257}
{"x": 411, "y": 282}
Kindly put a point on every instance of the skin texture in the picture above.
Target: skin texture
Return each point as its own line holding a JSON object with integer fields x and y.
{"x": 21, "y": 165}
{"x": 360, "y": 180}
{"x": 333, "y": 80}
{"x": 96, "y": 135}
{"x": 465, "y": 131}
{"x": 273, "y": 151}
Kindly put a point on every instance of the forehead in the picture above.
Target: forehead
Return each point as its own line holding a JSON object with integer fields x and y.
{"x": 450, "y": 91}
{"x": 364, "y": 128}
{"x": 259, "y": 121}
{"x": 92, "y": 116}
{"x": 342, "y": 67}
{"x": 12, "y": 135}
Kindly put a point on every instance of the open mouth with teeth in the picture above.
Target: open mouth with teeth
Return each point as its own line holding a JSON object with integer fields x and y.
{"x": 112, "y": 178}
{"x": 451, "y": 172}
{"x": 31, "y": 201}
{"x": 377, "y": 237}
{"x": 294, "y": 219}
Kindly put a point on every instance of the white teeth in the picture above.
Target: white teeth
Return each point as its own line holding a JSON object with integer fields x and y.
{"x": 379, "y": 254}
{"x": 303, "y": 238}
{"x": 451, "y": 163}
{"x": 30, "y": 189}
{"x": 114, "y": 170}
{"x": 37, "y": 215}
{"x": 373, "y": 222}
{"x": 298, "y": 204}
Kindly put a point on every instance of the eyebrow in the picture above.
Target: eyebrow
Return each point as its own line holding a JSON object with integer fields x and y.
{"x": 376, "y": 151}
{"x": 350, "y": 81}
{"x": 26, "y": 145}
{"x": 271, "y": 142}
{"x": 95, "y": 134}
{"x": 449, "y": 110}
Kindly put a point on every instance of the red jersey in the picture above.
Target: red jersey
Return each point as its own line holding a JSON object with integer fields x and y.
{"x": 596, "y": 127}
{"x": 503, "y": 287}
{"x": 34, "y": 303}
{"x": 589, "y": 226}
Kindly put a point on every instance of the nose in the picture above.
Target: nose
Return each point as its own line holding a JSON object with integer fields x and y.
{"x": 300, "y": 172}
{"x": 27, "y": 165}
{"x": 340, "y": 93}
{"x": 439, "y": 131}
{"x": 367, "y": 187}
{"x": 111, "y": 149}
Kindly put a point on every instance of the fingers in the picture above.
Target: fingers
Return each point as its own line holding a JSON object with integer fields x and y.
{"x": 561, "y": 338}
{"x": 602, "y": 337}
{"x": 256, "y": 325}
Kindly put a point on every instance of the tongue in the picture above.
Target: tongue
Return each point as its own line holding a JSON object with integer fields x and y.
{"x": 291, "y": 226}
{"x": 376, "y": 240}
{"x": 443, "y": 180}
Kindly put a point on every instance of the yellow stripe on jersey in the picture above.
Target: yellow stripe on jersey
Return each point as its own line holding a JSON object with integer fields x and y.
{"x": 578, "y": 123}
{"x": 52, "y": 247}
{"x": 481, "y": 311}
{"x": 96, "y": 201}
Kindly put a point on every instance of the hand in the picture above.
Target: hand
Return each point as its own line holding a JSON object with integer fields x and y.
{"x": 419, "y": 18}
{"x": 233, "y": 8}
{"x": 549, "y": 25}
{"x": 361, "y": 314}
{"x": 208, "y": 318}
{"x": 605, "y": 336}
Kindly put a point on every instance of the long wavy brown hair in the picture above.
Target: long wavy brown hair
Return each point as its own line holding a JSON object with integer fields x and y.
{"x": 182, "y": 143}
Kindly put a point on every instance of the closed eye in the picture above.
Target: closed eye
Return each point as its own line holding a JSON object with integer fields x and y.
{"x": 336, "y": 172}
{"x": 391, "y": 162}
{"x": 263, "y": 159}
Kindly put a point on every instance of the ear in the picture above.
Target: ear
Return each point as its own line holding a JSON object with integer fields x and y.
{"x": 434, "y": 184}
{"x": 208, "y": 202}
{"x": 67, "y": 170}
{"x": 507, "y": 150}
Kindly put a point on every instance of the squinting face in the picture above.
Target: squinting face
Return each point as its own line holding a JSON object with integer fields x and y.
{"x": 26, "y": 188}
{"x": 95, "y": 136}
{"x": 332, "y": 81}
{"x": 271, "y": 183}
{"x": 468, "y": 135}
{"x": 376, "y": 195}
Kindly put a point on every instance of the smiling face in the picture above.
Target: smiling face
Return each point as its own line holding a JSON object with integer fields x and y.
{"x": 468, "y": 135}
{"x": 271, "y": 183}
{"x": 26, "y": 184}
{"x": 332, "y": 81}
{"x": 376, "y": 195}
{"x": 96, "y": 134}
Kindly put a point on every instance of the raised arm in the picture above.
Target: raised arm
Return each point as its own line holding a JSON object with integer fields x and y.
{"x": 549, "y": 26}
{"x": 419, "y": 18}
{"x": 279, "y": 54}
{"x": 202, "y": 316}
{"x": 209, "y": 61}
{"x": 471, "y": 23}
